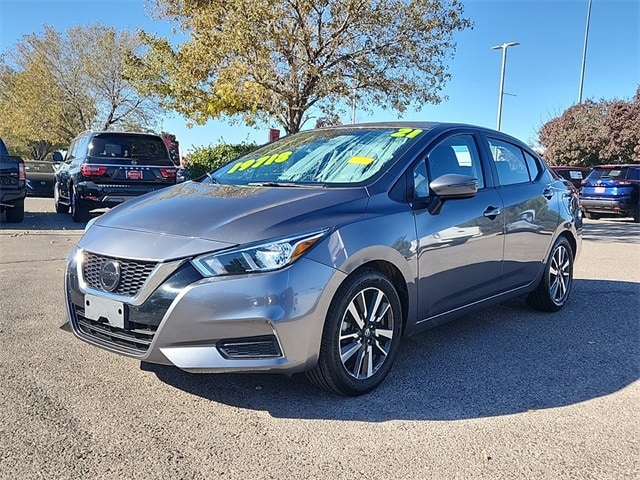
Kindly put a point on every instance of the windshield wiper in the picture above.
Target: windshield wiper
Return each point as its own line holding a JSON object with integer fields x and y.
{"x": 273, "y": 184}
{"x": 211, "y": 177}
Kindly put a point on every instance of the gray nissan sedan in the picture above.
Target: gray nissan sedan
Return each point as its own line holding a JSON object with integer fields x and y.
{"x": 319, "y": 252}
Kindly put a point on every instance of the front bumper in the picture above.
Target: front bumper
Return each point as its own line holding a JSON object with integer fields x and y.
{"x": 262, "y": 322}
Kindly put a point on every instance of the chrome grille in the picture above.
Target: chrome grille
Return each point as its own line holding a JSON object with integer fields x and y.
{"x": 133, "y": 274}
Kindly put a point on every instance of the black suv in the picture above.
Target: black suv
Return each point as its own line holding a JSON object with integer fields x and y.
{"x": 612, "y": 190}
{"x": 104, "y": 169}
{"x": 13, "y": 187}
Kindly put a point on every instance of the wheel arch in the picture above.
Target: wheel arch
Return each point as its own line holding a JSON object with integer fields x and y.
{"x": 394, "y": 274}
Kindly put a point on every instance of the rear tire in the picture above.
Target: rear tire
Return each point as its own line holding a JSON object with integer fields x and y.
{"x": 553, "y": 290}
{"x": 636, "y": 215}
{"x": 361, "y": 335}
{"x": 592, "y": 216}
{"x": 15, "y": 214}
{"x": 79, "y": 212}
{"x": 60, "y": 208}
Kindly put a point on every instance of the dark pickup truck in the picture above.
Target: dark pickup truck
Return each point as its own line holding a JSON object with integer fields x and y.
{"x": 13, "y": 185}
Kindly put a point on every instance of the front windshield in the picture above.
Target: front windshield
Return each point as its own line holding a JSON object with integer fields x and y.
{"x": 340, "y": 156}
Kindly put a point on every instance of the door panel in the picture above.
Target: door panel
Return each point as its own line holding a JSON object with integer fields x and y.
{"x": 460, "y": 247}
{"x": 460, "y": 253}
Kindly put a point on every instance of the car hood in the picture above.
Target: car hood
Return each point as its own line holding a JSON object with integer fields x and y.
{"x": 193, "y": 218}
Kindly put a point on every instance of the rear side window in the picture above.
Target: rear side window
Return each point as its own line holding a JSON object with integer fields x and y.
{"x": 512, "y": 163}
{"x": 633, "y": 174}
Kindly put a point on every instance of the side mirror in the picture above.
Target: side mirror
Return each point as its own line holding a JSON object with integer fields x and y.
{"x": 57, "y": 157}
{"x": 451, "y": 186}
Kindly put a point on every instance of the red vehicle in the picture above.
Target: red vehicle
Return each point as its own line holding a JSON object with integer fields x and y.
{"x": 574, "y": 174}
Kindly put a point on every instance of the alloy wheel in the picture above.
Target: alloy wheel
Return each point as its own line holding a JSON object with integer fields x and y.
{"x": 366, "y": 333}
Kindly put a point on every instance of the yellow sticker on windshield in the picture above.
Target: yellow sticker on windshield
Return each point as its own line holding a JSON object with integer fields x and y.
{"x": 361, "y": 160}
{"x": 262, "y": 161}
{"x": 407, "y": 132}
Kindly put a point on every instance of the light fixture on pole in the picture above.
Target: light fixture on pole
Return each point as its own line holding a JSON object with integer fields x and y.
{"x": 502, "y": 47}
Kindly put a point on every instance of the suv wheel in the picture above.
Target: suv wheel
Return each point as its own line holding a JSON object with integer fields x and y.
{"x": 60, "y": 208}
{"x": 15, "y": 214}
{"x": 79, "y": 212}
{"x": 636, "y": 215}
{"x": 592, "y": 216}
{"x": 361, "y": 335}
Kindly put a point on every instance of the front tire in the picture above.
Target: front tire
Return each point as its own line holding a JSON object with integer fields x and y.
{"x": 361, "y": 335}
{"x": 15, "y": 214}
{"x": 553, "y": 290}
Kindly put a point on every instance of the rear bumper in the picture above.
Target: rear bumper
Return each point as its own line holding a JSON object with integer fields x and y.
{"x": 93, "y": 195}
{"x": 12, "y": 196}
{"x": 623, "y": 207}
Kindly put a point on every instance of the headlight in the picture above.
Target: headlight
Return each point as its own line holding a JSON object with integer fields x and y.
{"x": 264, "y": 257}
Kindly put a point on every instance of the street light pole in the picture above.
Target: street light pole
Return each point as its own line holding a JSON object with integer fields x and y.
{"x": 584, "y": 52}
{"x": 502, "y": 47}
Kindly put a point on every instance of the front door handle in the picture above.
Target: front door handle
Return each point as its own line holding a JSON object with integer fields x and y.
{"x": 492, "y": 212}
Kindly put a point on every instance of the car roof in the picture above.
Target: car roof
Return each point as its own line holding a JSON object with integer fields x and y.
{"x": 435, "y": 127}
{"x": 612, "y": 167}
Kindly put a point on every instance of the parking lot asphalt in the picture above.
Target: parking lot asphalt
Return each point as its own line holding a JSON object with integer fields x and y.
{"x": 507, "y": 393}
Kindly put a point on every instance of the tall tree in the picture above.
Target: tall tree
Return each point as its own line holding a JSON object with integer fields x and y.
{"x": 593, "y": 133}
{"x": 576, "y": 137}
{"x": 288, "y": 59}
{"x": 55, "y": 85}
{"x": 622, "y": 127}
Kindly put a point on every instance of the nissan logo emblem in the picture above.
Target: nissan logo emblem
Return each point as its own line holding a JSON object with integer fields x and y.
{"x": 110, "y": 275}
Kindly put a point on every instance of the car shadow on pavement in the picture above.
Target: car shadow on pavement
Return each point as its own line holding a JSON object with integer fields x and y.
{"x": 618, "y": 230}
{"x": 34, "y": 221}
{"x": 503, "y": 360}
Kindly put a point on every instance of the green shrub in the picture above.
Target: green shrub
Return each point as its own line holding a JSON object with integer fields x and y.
{"x": 205, "y": 159}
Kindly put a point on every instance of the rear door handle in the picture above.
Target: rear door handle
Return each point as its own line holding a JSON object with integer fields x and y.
{"x": 492, "y": 212}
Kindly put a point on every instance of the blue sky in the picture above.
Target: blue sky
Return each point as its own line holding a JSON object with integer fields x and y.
{"x": 542, "y": 73}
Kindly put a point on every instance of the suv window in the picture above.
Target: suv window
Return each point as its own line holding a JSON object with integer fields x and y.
{"x": 619, "y": 173}
{"x": 127, "y": 146}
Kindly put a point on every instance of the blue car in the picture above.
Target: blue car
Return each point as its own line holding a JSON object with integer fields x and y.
{"x": 612, "y": 190}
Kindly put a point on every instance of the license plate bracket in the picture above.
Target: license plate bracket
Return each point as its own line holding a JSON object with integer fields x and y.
{"x": 599, "y": 189}
{"x": 134, "y": 174}
{"x": 97, "y": 308}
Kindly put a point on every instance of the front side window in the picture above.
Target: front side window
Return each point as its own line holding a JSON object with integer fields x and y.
{"x": 457, "y": 154}
{"x": 510, "y": 162}
{"x": 325, "y": 157}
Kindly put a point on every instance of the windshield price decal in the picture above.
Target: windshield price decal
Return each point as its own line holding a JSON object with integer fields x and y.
{"x": 361, "y": 160}
{"x": 262, "y": 161}
{"x": 407, "y": 133}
